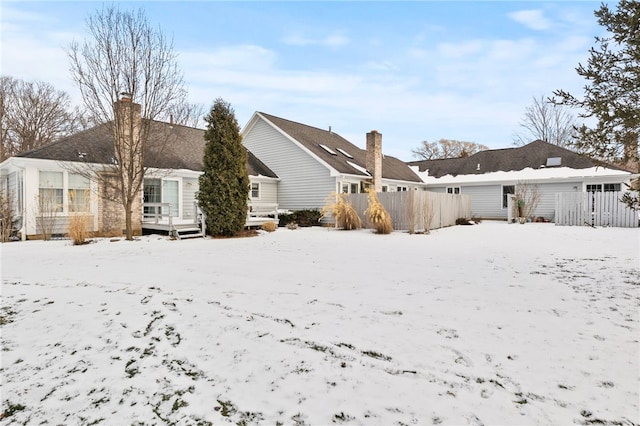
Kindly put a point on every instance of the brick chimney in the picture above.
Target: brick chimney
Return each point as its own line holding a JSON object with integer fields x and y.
{"x": 374, "y": 158}
{"x": 128, "y": 151}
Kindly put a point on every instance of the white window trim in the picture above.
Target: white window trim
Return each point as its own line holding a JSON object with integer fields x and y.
{"x": 502, "y": 194}
{"x": 179, "y": 180}
{"x": 259, "y": 191}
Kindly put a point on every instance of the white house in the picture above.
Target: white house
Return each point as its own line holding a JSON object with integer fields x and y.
{"x": 312, "y": 163}
{"x": 57, "y": 172}
{"x": 491, "y": 176}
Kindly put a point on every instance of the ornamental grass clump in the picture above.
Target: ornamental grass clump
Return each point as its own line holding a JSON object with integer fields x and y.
{"x": 377, "y": 215}
{"x": 78, "y": 230}
{"x": 268, "y": 226}
{"x": 343, "y": 211}
{"x": 78, "y": 202}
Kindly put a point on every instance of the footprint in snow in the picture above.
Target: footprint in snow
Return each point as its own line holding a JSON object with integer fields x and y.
{"x": 448, "y": 333}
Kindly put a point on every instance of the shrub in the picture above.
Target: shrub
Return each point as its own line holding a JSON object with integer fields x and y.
{"x": 378, "y": 215}
{"x": 78, "y": 202}
{"x": 78, "y": 229}
{"x": 303, "y": 218}
{"x": 224, "y": 184}
{"x": 463, "y": 221}
{"x": 343, "y": 211}
{"x": 528, "y": 197}
{"x": 8, "y": 218}
{"x": 428, "y": 212}
{"x": 46, "y": 211}
{"x": 268, "y": 226}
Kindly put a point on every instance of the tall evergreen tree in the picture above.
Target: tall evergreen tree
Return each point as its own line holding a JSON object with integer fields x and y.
{"x": 224, "y": 185}
{"x": 612, "y": 95}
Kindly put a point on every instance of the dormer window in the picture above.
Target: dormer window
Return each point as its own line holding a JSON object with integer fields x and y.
{"x": 326, "y": 148}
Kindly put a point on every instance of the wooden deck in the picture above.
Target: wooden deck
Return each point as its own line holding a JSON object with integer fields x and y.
{"x": 155, "y": 219}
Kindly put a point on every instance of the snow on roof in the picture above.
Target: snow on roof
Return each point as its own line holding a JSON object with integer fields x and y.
{"x": 528, "y": 174}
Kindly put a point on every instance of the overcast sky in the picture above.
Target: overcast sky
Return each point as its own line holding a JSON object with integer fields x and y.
{"x": 414, "y": 71}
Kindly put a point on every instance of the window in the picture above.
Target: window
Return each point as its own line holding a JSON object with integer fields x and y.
{"x": 170, "y": 195}
{"x": 453, "y": 190}
{"x": 152, "y": 194}
{"x": 506, "y": 191}
{"x": 50, "y": 197}
{"x": 606, "y": 187}
{"x": 255, "y": 190}
{"x": 385, "y": 188}
{"x": 611, "y": 187}
{"x": 354, "y": 188}
{"x": 401, "y": 188}
{"x": 79, "y": 195}
{"x": 345, "y": 188}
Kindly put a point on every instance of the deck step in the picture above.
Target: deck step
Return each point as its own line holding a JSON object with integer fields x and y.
{"x": 182, "y": 233}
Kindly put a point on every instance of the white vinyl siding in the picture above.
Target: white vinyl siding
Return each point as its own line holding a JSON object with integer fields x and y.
{"x": 439, "y": 189}
{"x": 486, "y": 200}
{"x": 547, "y": 202}
{"x": 304, "y": 182}
{"x": 189, "y": 189}
{"x": 268, "y": 191}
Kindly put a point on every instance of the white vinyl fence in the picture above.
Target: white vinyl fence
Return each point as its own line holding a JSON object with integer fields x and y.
{"x": 595, "y": 209}
{"x": 417, "y": 211}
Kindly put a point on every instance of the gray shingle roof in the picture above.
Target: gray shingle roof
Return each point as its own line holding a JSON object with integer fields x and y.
{"x": 533, "y": 155}
{"x": 170, "y": 147}
{"x": 312, "y": 137}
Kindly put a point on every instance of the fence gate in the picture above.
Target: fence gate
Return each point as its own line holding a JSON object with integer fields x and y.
{"x": 594, "y": 208}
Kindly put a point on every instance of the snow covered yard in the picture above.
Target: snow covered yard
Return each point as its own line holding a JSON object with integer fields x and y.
{"x": 486, "y": 324}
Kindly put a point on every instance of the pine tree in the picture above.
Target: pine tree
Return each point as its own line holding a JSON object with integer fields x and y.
{"x": 612, "y": 95}
{"x": 224, "y": 185}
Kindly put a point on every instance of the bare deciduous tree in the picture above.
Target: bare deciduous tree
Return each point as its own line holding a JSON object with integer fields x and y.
{"x": 527, "y": 199}
{"x": 125, "y": 54}
{"x": 548, "y": 122}
{"x": 32, "y": 114}
{"x": 187, "y": 114}
{"x": 447, "y": 148}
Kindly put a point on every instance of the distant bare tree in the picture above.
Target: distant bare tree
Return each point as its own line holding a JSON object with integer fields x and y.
{"x": 32, "y": 114}
{"x": 187, "y": 114}
{"x": 125, "y": 54}
{"x": 548, "y": 122}
{"x": 447, "y": 148}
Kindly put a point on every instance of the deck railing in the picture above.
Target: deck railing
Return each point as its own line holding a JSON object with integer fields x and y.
{"x": 161, "y": 213}
{"x": 157, "y": 212}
